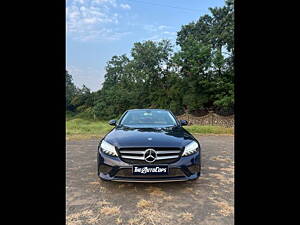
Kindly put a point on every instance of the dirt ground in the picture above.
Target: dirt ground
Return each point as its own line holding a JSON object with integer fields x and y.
{"x": 208, "y": 200}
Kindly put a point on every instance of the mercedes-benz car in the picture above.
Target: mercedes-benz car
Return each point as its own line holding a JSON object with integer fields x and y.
{"x": 148, "y": 145}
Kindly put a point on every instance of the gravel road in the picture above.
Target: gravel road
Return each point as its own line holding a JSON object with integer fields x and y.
{"x": 208, "y": 200}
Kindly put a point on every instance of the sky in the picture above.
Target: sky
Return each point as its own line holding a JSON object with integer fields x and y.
{"x": 96, "y": 30}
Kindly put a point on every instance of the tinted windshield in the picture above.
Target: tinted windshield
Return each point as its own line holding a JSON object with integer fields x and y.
{"x": 148, "y": 118}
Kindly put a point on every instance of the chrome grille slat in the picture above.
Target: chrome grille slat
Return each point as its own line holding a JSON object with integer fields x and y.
{"x": 133, "y": 157}
{"x": 166, "y": 152}
{"x": 163, "y": 155}
{"x": 132, "y": 152}
{"x": 167, "y": 157}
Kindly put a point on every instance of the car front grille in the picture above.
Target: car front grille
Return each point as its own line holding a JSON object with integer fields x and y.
{"x": 136, "y": 155}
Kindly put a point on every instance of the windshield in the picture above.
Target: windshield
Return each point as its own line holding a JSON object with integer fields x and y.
{"x": 148, "y": 119}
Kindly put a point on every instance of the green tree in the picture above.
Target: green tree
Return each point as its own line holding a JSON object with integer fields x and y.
{"x": 206, "y": 59}
{"x": 70, "y": 92}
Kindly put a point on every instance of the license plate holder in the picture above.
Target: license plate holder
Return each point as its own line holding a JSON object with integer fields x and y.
{"x": 150, "y": 170}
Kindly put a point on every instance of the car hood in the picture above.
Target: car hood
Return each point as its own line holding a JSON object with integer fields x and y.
{"x": 176, "y": 137}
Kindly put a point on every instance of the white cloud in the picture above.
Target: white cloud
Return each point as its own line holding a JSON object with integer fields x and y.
{"x": 102, "y": 2}
{"x": 89, "y": 20}
{"x": 155, "y": 28}
{"x": 125, "y": 6}
{"x": 158, "y": 33}
{"x": 169, "y": 33}
{"x": 150, "y": 28}
{"x": 79, "y": 1}
{"x": 162, "y": 27}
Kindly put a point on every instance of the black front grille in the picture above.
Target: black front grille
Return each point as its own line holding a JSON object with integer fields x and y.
{"x": 173, "y": 172}
{"x": 104, "y": 169}
{"x": 194, "y": 168}
{"x": 136, "y": 155}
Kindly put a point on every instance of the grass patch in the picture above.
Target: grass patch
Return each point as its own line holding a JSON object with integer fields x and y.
{"x": 110, "y": 210}
{"x": 186, "y": 216}
{"x": 156, "y": 191}
{"x": 83, "y": 129}
{"x": 197, "y": 129}
{"x": 144, "y": 203}
{"x": 78, "y": 129}
{"x": 119, "y": 221}
{"x": 81, "y": 126}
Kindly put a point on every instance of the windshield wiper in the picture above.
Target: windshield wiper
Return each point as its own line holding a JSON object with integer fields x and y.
{"x": 168, "y": 127}
{"x": 124, "y": 126}
{"x": 171, "y": 126}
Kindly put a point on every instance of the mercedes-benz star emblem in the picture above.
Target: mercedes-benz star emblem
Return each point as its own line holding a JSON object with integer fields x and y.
{"x": 150, "y": 155}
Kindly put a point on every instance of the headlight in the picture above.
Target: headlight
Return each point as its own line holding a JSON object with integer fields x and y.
{"x": 190, "y": 148}
{"x": 108, "y": 148}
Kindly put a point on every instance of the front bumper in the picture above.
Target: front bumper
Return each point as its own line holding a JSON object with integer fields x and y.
{"x": 114, "y": 169}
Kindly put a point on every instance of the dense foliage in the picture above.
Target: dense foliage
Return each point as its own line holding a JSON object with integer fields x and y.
{"x": 198, "y": 77}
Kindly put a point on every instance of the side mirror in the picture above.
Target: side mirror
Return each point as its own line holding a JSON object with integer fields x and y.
{"x": 183, "y": 122}
{"x": 112, "y": 122}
